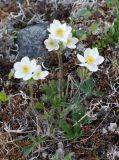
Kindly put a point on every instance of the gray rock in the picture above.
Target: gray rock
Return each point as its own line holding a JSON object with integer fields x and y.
{"x": 31, "y": 41}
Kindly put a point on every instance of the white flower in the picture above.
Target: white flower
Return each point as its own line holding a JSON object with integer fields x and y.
{"x": 91, "y": 59}
{"x": 25, "y": 68}
{"x": 71, "y": 42}
{"x": 39, "y": 74}
{"x": 51, "y": 44}
{"x": 59, "y": 31}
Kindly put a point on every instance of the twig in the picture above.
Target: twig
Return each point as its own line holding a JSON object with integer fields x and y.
{"x": 97, "y": 127}
{"x": 84, "y": 116}
{"x": 38, "y": 131}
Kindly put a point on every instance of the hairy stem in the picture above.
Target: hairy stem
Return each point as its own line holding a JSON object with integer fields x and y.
{"x": 31, "y": 95}
{"x": 60, "y": 74}
{"x": 31, "y": 99}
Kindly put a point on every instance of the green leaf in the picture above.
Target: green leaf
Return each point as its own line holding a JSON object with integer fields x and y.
{"x": 77, "y": 131}
{"x": 39, "y": 139}
{"x": 77, "y": 116}
{"x": 3, "y": 96}
{"x": 111, "y": 2}
{"x": 87, "y": 86}
{"x": 71, "y": 132}
{"x": 35, "y": 141}
{"x": 69, "y": 156}
{"x": 82, "y": 35}
{"x": 66, "y": 128}
{"x": 85, "y": 12}
{"x": 93, "y": 27}
{"x": 39, "y": 105}
{"x": 55, "y": 157}
{"x": 97, "y": 93}
{"x": 82, "y": 73}
{"x": 28, "y": 149}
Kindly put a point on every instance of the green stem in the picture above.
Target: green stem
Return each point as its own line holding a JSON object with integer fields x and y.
{"x": 31, "y": 95}
{"x": 31, "y": 99}
{"x": 60, "y": 74}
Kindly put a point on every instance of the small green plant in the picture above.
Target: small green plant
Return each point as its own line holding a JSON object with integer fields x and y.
{"x": 3, "y": 97}
{"x": 62, "y": 104}
{"x": 67, "y": 157}
{"x": 86, "y": 12}
{"x": 87, "y": 85}
{"x": 36, "y": 141}
{"x": 82, "y": 34}
{"x": 72, "y": 131}
{"x": 51, "y": 95}
{"x": 62, "y": 107}
{"x": 60, "y": 37}
{"x": 111, "y": 2}
{"x": 110, "y": 34}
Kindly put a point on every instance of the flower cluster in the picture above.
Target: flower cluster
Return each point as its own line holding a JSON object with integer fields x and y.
{"x": 91, "y": 59}
{"x": 60, "y": 33}
{"x": 27, "y": 69}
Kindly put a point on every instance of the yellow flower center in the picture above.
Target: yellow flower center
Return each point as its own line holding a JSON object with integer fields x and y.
{"x": 60, "y": 32}
{"x": 37, "y": 74}
{"x": 52, "y": 43}
{"x": 25, "y": 68}
{"x": 89, "y": 59}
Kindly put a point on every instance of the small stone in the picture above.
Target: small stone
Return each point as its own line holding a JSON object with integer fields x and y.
{"x": 104, "y": 131}
{"x": 31, "y": 41}
{"x": 112, "y": 127}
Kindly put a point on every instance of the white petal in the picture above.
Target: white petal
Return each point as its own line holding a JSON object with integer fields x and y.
{"x": 80, "y": 58}
{"x": 68, "y": 30}
{"x": 71, "y": 46}
{"x": 56, "y": 23}
{"x": 35, "y": 77}
{"x": 25, "y": 60}
{"x": 38, "y": 68}
{"x": 27, "y": 77}
{"x": 63, "y": 39}
{"x": 17, "y": 66}
{"x": 50, "y": 49}
{"x": 75, "y": 40}
{"x": 53, "y": 36}
{"x": 83, "y": 64}
{"x": 59, "y": 38}
{"x": 95, "y": 53}
{"x": 52, "y": 28}
{"x": 87, "y": 52}
{"x": 70, "y": 35}
{"x": 44, "y": 74}
{"x": 64, "y": 26}
{"x": 99, "y": 60}
{"x": 18, "y": 74}
{"x": 92, "y": 67}
{"x": 33, "y": 65}
{"x": 46, "y": 42}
